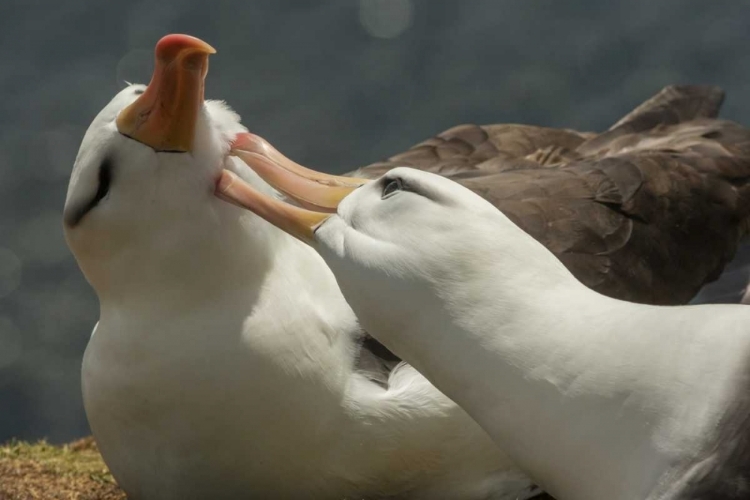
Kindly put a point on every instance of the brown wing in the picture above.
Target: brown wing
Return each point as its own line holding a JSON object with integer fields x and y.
{"x": 647, "y": 211}
{"x": 480, "y": 150}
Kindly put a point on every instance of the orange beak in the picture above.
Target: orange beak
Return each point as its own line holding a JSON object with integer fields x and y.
{"x": 296, "y": 221}
{"x": 311, "y": 189}
{"x": 320, "y": 192}
{"x": 164, "y": 116}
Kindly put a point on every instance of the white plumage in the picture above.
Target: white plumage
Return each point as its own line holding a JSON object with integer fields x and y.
{"x": 223, "y": 364}
{"x": 591, "y": 396}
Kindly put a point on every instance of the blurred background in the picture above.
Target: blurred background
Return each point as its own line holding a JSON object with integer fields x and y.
{"x": 335, "y": 85}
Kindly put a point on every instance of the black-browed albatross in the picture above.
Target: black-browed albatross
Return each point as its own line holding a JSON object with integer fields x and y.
{"x": 593, "y": 397}
{"x": 225, "y": 361}
{"x": 226, "y": 364}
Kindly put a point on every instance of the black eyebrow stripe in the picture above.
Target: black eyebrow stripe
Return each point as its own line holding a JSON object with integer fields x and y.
{"x": 105, "y": 180}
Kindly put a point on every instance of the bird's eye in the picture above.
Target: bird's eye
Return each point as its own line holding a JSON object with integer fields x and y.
{"x": 74, "y": 215}
{"x": 391, "y": 187}
{"x": 105, "y": 179}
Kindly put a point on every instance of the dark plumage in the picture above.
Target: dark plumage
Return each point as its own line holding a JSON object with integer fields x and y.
{"x": 648, "y": 211}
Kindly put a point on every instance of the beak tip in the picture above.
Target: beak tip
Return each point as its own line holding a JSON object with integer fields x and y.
{"x": 171, "y": 45}
{"x": 225, "y": 181}
{"x": 246, "y": 141}
{"x": 164, "y": 116}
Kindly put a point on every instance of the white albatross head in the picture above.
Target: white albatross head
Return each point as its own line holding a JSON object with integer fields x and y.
{"x": 142, "y": 184}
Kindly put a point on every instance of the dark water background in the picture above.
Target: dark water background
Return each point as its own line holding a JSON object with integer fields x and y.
{"x": 333, "y": 84}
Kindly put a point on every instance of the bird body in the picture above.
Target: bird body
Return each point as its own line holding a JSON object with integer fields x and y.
{"x": 226, "y": 362}
{"x": 593, "y": 397}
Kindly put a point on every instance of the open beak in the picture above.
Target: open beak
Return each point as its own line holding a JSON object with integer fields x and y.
{"x": 311, "y": 189}
{"x": 296, "y": 221}
{"x": 164, "y": 116}
{"x": 320, "y": 192}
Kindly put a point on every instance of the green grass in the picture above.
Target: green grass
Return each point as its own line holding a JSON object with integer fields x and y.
{"x": 44, "y": 471}
{"x": 41, "y": 471}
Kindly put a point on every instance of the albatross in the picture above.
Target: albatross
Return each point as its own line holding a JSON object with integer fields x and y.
{"x": 226, "y": 363}
{"x": 593, "y": 397}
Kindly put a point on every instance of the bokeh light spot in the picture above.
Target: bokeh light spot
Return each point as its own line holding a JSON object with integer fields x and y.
{"x": 385, "y": 18}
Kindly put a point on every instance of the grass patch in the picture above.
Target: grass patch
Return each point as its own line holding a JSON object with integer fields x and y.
{"x": 31, "y": 471}
{"x": 75, "y": 471}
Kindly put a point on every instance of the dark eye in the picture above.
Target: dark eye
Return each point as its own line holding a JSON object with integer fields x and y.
{"x": 105, "y": 180}
{"x": 392, "y": 186}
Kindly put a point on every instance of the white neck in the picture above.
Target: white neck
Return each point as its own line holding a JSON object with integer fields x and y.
{"x": 593, "y": 397}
